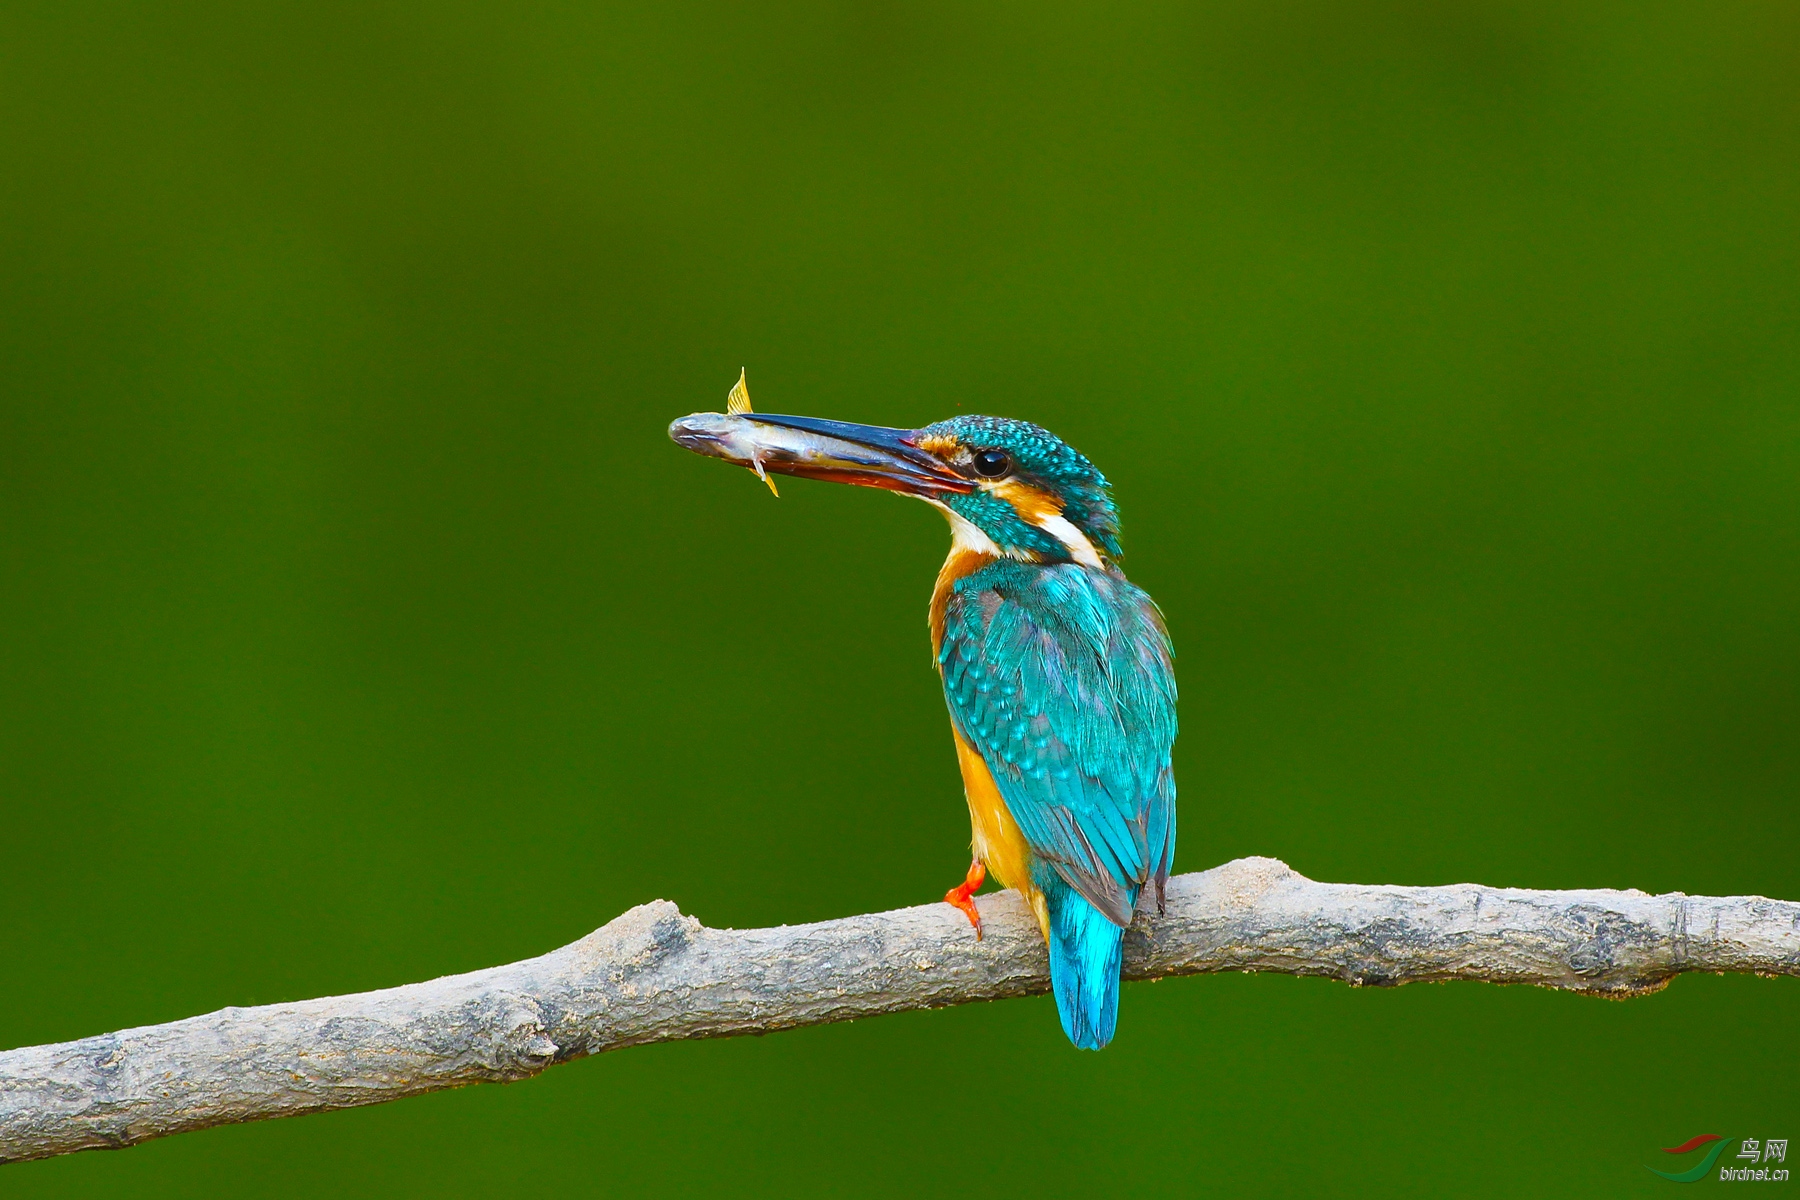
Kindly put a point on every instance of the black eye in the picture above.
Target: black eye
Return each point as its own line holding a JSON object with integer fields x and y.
{"x": 992, "y": 464}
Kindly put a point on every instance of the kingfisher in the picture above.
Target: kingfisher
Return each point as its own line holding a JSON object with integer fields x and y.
{"x": 1057, "y": 670}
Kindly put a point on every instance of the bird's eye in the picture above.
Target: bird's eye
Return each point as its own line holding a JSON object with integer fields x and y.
{"x": 992, "y": 464}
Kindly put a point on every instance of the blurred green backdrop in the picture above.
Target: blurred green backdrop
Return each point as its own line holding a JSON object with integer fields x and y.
{"x": 361, "y": 625}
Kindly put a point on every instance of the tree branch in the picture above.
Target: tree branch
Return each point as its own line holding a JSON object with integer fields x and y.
{"x": 653, "y": 975}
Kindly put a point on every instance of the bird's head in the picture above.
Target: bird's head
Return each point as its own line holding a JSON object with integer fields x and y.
{"x": 1010, "y": 488}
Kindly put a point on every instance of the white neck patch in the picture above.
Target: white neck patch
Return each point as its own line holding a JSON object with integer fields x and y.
{"x": 1080, "y": 549}
{"x": 966, "y": 535}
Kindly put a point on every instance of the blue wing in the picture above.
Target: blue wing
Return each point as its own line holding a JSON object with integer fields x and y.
{"x": 1062, "y": 678}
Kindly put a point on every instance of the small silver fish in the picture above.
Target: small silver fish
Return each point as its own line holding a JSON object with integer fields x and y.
{"x": 816, "y": 449}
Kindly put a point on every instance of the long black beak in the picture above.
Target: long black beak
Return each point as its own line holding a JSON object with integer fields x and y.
{"x": 866, "y": 455}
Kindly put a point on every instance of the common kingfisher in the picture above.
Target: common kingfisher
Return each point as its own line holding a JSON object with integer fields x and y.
{"x": 1058, "y": 671}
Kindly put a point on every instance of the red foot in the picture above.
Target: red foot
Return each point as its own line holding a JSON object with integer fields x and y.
{"x": 959, "y": 896}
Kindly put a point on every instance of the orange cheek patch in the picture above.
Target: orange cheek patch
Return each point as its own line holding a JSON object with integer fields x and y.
{"x": 1034, "y": 505}
{"x": 942, "y": 445}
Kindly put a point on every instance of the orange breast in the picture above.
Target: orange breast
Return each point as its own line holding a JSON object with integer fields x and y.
{"x": 960, "y": 563}
{"x": 994, "y": 835}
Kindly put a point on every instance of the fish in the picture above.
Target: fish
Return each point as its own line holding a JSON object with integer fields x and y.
{"x": 770, "y": 444}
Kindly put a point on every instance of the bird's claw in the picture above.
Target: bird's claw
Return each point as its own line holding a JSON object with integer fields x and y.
{"x": 962, "y": 895}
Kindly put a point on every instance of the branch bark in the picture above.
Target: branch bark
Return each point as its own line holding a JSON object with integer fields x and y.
{"x": 653, "y": 975}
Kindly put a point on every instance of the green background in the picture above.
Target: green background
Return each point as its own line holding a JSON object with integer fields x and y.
{"x": 361, "y": 624}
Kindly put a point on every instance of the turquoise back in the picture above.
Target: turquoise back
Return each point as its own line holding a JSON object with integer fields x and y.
{"x": 1062, "y": 678}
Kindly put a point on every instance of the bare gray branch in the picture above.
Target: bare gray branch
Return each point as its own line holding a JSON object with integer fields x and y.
{"x": 654, "y": 974}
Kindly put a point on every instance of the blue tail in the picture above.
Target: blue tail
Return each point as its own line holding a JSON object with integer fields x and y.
{"x": 1084, "y": 966}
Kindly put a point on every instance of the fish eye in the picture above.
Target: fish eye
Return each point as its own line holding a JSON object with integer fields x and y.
{"x": 992, "y": 464}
